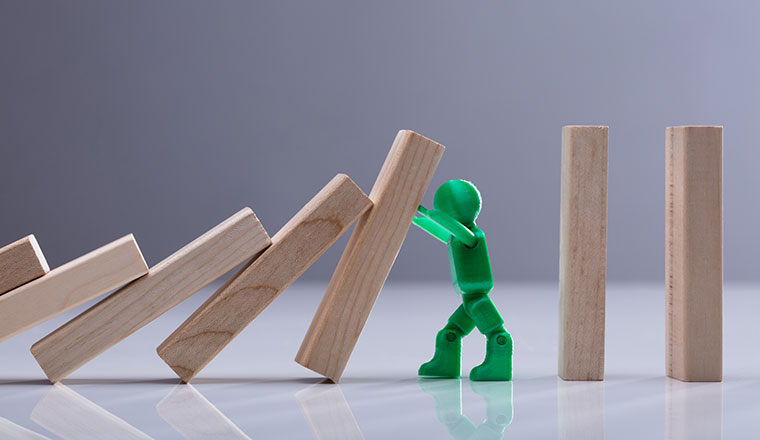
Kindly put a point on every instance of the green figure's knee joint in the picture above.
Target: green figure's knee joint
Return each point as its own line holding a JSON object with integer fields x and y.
{"x": 456, "y": 206}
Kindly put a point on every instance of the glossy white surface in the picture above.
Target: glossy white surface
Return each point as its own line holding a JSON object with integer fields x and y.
{"x": 255, "y": 390}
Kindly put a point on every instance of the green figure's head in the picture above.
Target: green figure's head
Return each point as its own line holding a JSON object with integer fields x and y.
{"x": 459, "y": 199}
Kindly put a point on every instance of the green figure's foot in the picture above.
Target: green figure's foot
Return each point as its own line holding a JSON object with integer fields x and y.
{"x": 447, "y": 361}
{"x": 498, "y": 362}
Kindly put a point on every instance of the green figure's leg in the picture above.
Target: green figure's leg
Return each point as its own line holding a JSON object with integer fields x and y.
{"x": 447, "y": 360}
{"x": 498, "y": 362}
{"x": 499, "y": 412}
{"x": 448, "y": 406}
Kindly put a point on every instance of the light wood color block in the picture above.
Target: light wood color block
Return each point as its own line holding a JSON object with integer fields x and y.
{"x": 694, "y": 253}
{"x": 583, "y": 252}
{"x": 238, "y": 302}
{"x": 71, "y": 416}
{"x": 170, "y": 282}
{"x": 194, "y": 417}
{"x": 20, "y": 262}
{"x": 70, "y": 285}
{"x": 369, "y": 255}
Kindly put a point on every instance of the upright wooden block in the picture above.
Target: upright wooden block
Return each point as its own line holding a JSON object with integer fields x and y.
{"x": 170, "y": 282}
{"x": 20, "y": 262}
{"x": 583, "y": 253}
{"x": 694, "y": 253}
{"x": 70, "y": 285}
{"x": 294, "y": 248}
{"x": 369, "y": 255}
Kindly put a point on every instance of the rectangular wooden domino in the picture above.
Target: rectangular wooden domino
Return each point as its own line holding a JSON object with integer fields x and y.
{"x": 20, "y": 262}
{"x": 294, "y": 248}
{"x": 583, "y": 252}
{"x": 70, "y": 285}
{"x": 369, "y": 255}
{"x": 170, "y": 282}
{"x": 694, "y": 253}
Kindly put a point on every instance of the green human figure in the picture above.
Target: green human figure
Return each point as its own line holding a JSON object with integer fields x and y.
{"x": 456, "y": 205}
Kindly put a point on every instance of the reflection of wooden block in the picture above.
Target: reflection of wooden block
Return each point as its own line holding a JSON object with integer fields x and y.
{"x": 328, "y": 414}
{"x": 369, "y": 255}
{"x": 580, "y": 410}
{"x": 21, "y": 262}
{"x": 694, "y": 253}
{"x": 71, "y": 416}
{"x": 693, "y": 411}
{"x": 583, "y": 253}
{"x": 70, "y": 285}
{"x": 294, "y": 248}
{"x": 194, "y": 417}
{"x": 11, "y": 430}
{"x": 170, "y": 282}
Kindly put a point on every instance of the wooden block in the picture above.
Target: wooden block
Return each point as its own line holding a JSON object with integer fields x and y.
{"x": 194, "y": 417}
{"x": 20, "y": 262}
{"x": 294, "y": 248}
{"x": 369, "y": 255}
{"x": 70, "y": 285}
{"x": 694, "y": 253}
{"x": 70, "y": 416}
{"x": 170, "y": 282}
{"x": 328, "y": 414}
{"x": 583, "y": 253}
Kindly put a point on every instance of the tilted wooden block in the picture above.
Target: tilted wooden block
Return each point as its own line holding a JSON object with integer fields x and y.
{"x": 20, "y": 262}
{"x": 369, "y": 255}
{"x": 294, "y": 248}
{"x": 694, "y": 253}
{"x": 170, "y": 282}
{"x": 70, "y": 285}
{"x": 583, "y": 253}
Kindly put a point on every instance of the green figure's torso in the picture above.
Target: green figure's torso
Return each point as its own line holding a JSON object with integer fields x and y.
{"x": 470, "y": 267}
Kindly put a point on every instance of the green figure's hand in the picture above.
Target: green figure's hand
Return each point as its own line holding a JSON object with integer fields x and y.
{"x": 441, "y": 225}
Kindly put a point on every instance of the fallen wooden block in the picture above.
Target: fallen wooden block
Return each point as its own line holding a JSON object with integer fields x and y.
{"x": 583, "y": 253}
{"x": 369, "y": 255}
{"x": 70, "y": 285}
{"x": 20, "y": 262}
{"x": 170, "y": 282}
{"x": 294, "y": 248}
{"x": 694, "y": 253}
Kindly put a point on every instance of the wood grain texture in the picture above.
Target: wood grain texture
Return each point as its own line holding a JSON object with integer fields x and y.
{"x": 170, "y": 282}
{"x": 20, "y": 262}
{"x": 70, "y": 285}
{"x": 369, "y": 255}
{"x": 294, "y": 248}
{"x": 583, "y": 252}
{"x": 694, "y": 253}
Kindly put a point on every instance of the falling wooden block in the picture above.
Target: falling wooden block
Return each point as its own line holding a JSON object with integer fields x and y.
{"x": 583, "y": 253}
{"x": 70, "y": 285}
{"x": 369, "y": 255}
{"x": 294, "y": 248}
{"x": 170, "y": 282}
{"x": 20, "y": 262}
{"x": 694, "y": 253}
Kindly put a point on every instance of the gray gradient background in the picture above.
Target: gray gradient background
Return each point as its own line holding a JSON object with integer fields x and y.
{"x": 164, "y": 118}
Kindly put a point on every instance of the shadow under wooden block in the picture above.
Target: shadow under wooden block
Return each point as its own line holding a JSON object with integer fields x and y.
{"x": 294, "y": 248}
{"x": 70, "y": 285}
{"x": 20, "y": 262}
{"x": 170, "y": 282}
{"x": 71, "y": 416}
{"x": 369, "y": 255}
{"x": 194, "y": 417}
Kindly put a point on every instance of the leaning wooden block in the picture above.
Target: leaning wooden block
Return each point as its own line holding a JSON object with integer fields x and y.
{"x": 70, "y": 285}
{"x": 694, "y": 253}
{"x": 294, "y": 248}
{"x": 583, "y": 253}
{"x": 21, "y": 262}
{"x": 170, "y": 282}
{"x": 369, "y": 255}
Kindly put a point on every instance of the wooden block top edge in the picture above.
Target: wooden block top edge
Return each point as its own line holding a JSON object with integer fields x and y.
{"x": 411, "y": 133}
{"x": 594, "y": 127}
{"x": 38, "y": 252}
{"x": 686, "y": 127}
{"x": 127, "y": 239}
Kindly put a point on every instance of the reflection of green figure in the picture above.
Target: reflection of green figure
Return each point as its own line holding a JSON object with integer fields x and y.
{"x": 452, "y": 221}
{"x": 448, "y": 408}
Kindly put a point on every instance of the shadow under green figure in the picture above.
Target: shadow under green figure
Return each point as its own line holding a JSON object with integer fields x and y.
{"x": 456, "y": 205}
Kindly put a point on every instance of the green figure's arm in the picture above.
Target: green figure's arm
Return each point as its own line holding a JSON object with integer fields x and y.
{"x": 444, "y": 222}
{"x": 432, "y": 228}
